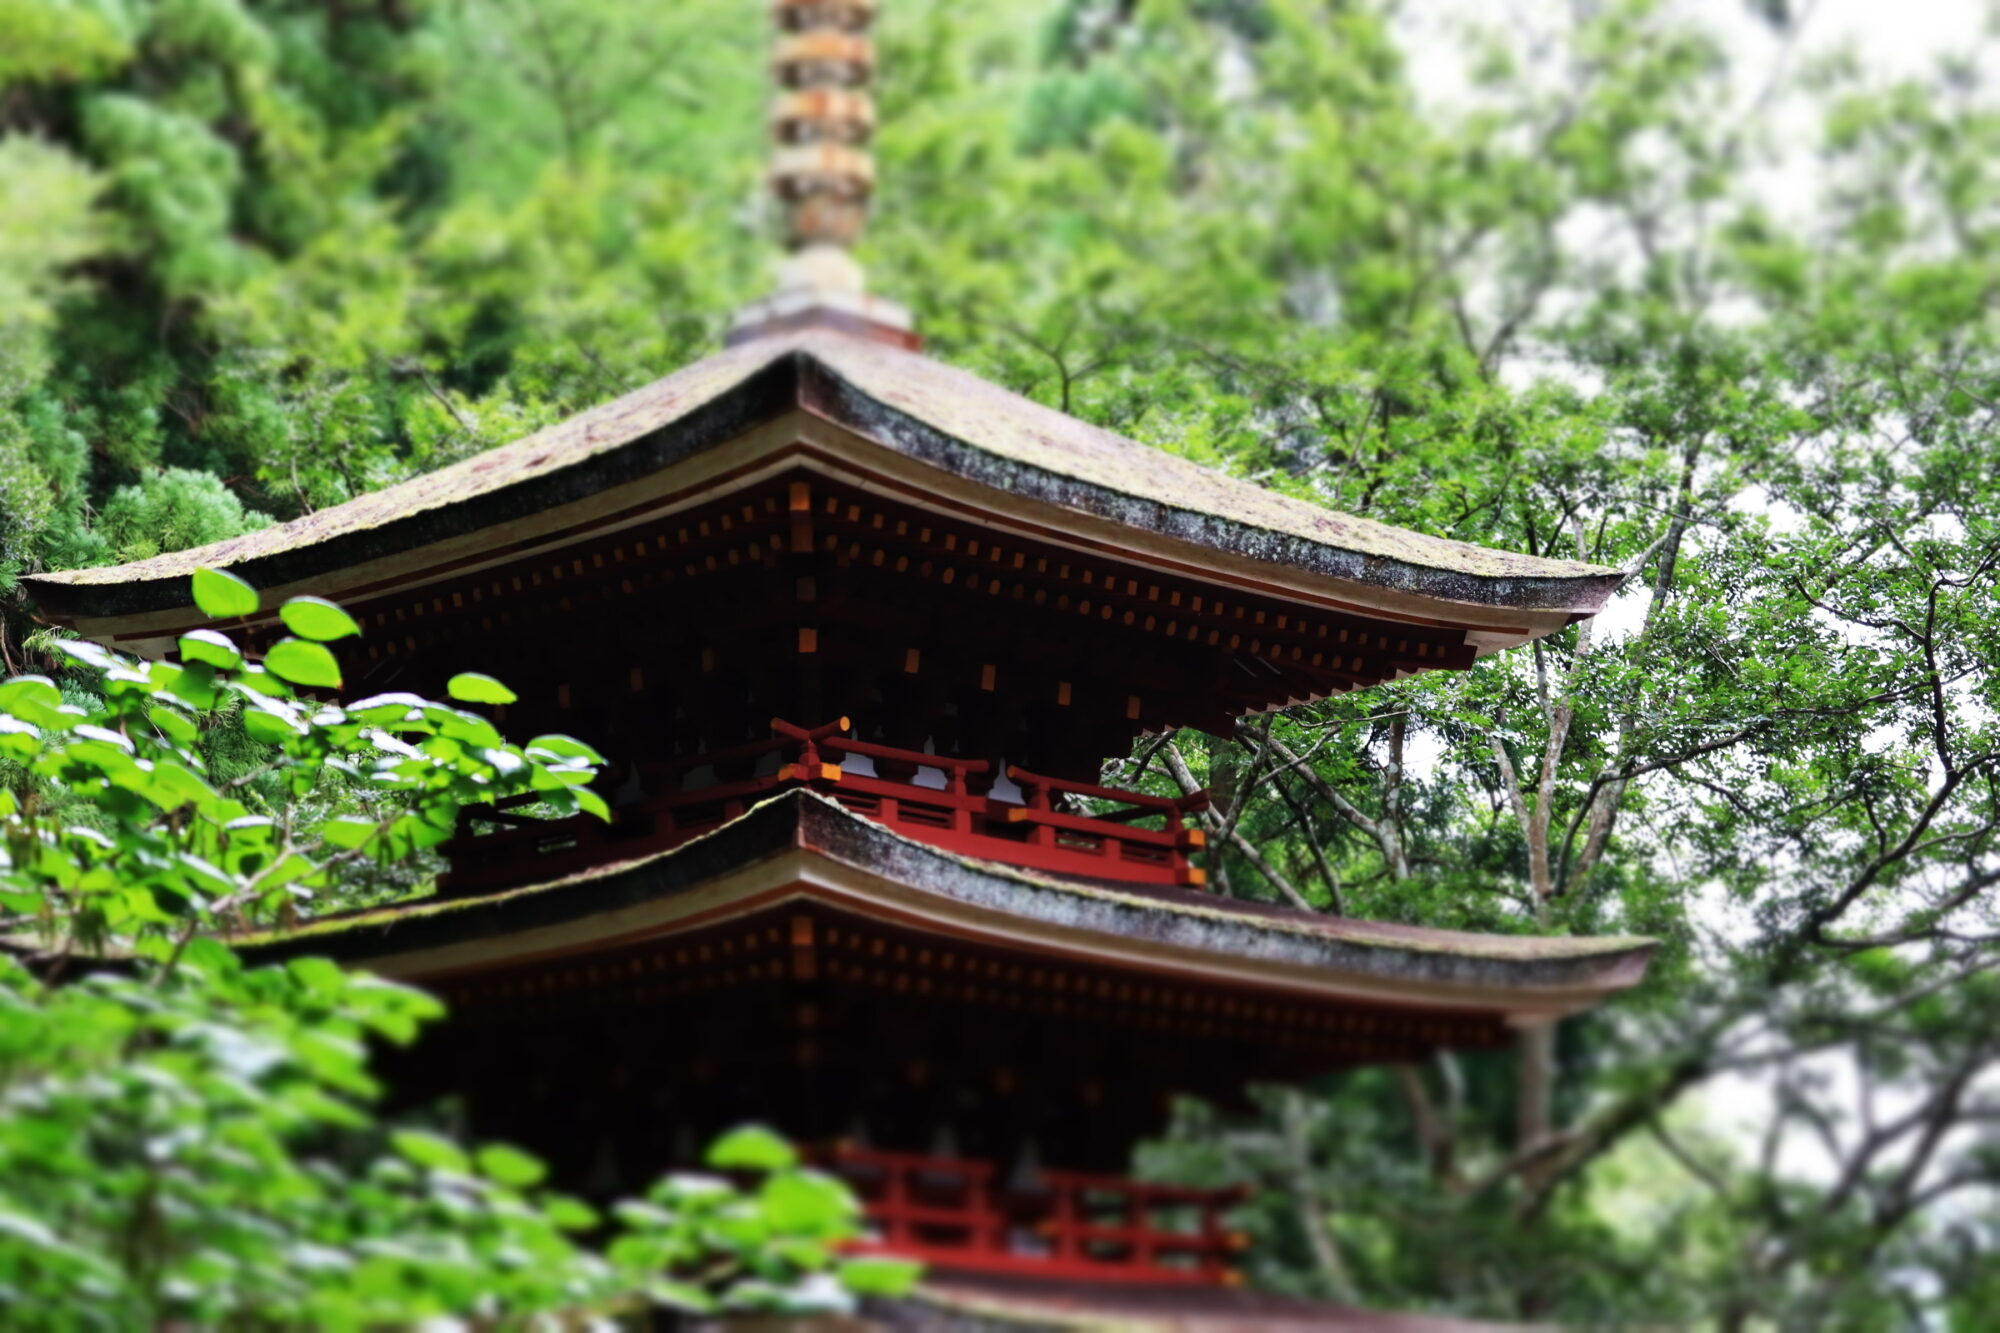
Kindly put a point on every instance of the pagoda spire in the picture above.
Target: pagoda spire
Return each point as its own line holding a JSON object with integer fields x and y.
{"x": 823, "y": 174}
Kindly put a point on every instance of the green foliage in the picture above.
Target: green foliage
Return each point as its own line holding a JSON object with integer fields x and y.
{"x": 187, "y": 1139}
{"x": 200, "y": 1147}
{"x": 172, "y": 510}
{"x": 167, "y": 843}
{"x": 50, "y": 40}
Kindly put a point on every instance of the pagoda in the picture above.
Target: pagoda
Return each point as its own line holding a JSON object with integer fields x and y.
{"x": 855, "y": 631}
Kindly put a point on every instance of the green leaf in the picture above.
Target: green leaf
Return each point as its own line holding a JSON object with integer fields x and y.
{"x": 752, "y": 1148}
{"x": 567, "y": 1214}
{"x": 558, "y": 748}
{"x": 303, "y": 663}
{"x": 473, "y": 688}
{"x": 193, "y": 684}
{"x": 461, "y": 725}
{"x": 280, "y": 711}
{"x": 807, "y": 1203}
{"x": 205, "y": 645}
{"x": 322, "y": 976}
{"x": 318, "y": 619}
{"x": 683, "y": 1296}
{"x": 811, "y": 1256}
{"x": 256, "y": 680}
{"x": 510, "y": 1166}
{"x": 174, "y": 785}
{"x": 33, "y": 691}
{"x": 386, "y": 709}
{"x": 679, "y": 1189}
{"x": 204, "y": 876}
{"x": 641, "y": 1216}
{"x": 210, "y": 955}
{"x": 431, "y": 1150}
{"x": 174, "y": 726}
{"x": 20, "y": 739}
{"x": 875, "y": 1275}
{"x": 269, "y": 728}
{"x": 347, "y": 831}
{"x": 90, "y": 654}
{"x": 222, "y": 595}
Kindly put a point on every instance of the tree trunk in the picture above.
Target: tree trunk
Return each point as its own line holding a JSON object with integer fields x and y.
{"x": 1534, "y": 1106}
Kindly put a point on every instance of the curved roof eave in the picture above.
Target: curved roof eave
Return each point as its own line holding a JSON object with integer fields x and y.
{"x": 898, "y": 400}
{"x": 857, "y": 863}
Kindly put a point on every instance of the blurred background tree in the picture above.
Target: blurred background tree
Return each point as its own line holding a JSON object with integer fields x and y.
{"x": 1721, "y": 314}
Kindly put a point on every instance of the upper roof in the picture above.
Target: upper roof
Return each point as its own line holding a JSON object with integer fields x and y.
{"x": 897, "y": 400}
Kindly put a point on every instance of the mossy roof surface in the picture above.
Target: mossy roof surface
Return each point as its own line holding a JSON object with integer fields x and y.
{"x": 1169, "y": 916}
{"x": 901, "y": 400}
{"x": 1027, "y": 1303}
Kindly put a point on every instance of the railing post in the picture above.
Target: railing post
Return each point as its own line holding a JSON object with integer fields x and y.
{"x": 1063, "y": 1225}
{"x": 983, "y": 1233}
{"x": 1215, "y": 1241}
{"x": 956, "y": 785}
{"x": 1188, "y": 840}
{"x": 1036, "y": 791}
{"x": 1139, "y": 1220}
{"x": 895, "y": 1201}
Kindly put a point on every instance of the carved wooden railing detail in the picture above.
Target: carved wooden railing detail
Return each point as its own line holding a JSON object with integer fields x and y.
{"x": 957, "y": 811}
{"x": 959, "y": 1214}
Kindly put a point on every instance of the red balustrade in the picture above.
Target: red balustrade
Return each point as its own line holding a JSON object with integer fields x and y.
{"x": 1033, "y": 832}
{"x": 955, "y": 1213}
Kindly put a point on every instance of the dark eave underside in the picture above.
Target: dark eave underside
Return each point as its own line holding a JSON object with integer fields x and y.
{"x": 898, "y": 400}
{"x": 1554, "y": 972}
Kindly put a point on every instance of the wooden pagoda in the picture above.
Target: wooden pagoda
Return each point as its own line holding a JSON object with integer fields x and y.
{"x": 855, "y": 630}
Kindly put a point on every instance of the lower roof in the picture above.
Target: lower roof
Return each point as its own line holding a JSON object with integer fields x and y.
{"x": 799, "y": 846}
{"x": 982, "y": 1303}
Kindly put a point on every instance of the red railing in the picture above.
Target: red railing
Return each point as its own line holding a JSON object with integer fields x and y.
{"x": 959, "y": 814}
{"x": 955, "y": 1213}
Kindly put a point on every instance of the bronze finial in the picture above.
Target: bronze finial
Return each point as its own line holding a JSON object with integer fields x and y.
{"x": 823, "y": 174}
